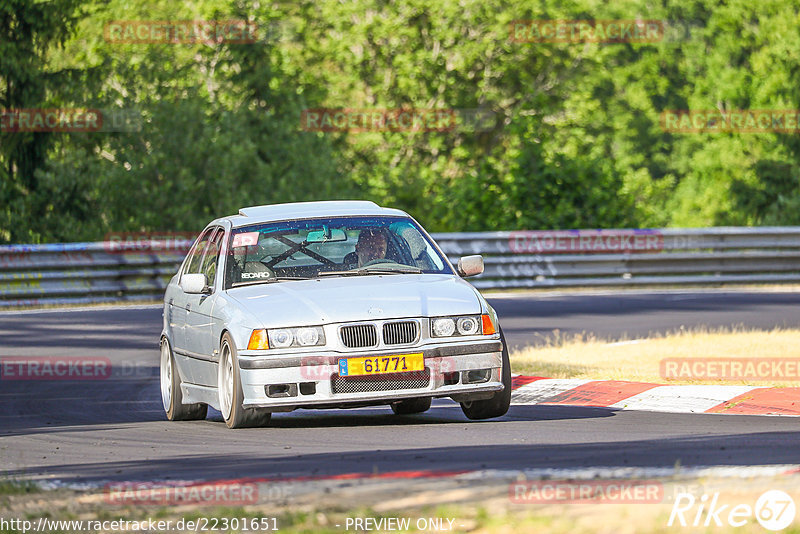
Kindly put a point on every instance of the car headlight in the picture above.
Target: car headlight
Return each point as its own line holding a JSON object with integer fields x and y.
{"x": 307, "y": 337}
{"x": 443, "y": 327}
{"x": 467, "y": 325}
{"x": 280, "y": 338}
{"x": 283, "y": 338}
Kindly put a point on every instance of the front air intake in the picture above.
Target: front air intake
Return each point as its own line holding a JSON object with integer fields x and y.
{"x": 389, "y": 382}
{"x": 400, "y": 332}
{"x": 359, "y": 335}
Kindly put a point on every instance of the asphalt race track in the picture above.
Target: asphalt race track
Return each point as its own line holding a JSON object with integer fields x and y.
{"x": 114, "y": 429}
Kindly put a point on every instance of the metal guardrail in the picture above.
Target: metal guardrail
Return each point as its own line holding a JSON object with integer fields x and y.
{"x": 574, "y": 258}
{"x": 72, "y": 273}
{"x": 77, "y": 273}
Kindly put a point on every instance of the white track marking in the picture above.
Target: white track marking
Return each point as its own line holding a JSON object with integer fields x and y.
{"x": 681, "y": 399}
{"x": 600, "y": 472}
{"x": 541, "y": 390}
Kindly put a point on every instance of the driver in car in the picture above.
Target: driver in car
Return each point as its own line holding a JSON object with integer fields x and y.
{"x": 371, "y": 246}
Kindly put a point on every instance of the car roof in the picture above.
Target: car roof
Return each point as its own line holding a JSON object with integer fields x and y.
{"x": 308, "y": 210}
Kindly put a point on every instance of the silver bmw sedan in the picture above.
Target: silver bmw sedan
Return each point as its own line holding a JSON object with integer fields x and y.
{"x": 326, "y": 305}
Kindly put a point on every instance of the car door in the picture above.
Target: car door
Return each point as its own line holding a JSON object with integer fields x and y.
{"x": 199, "y": 313}
{"x": 179, "y": 304}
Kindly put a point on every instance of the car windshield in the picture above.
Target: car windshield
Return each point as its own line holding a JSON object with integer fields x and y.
{"x": 329, "y": 247}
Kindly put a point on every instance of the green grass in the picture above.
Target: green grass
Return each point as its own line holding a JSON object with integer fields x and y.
{"x": 17, "y": 487}
{"x": 585, "y": 356}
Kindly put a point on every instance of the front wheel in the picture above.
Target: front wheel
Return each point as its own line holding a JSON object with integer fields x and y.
{"x": 496, "y": 406}
{"x": 230, "y": 391}
{"x": 171, "y": 395}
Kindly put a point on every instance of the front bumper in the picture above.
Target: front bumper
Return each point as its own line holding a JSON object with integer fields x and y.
{"x": 446, "y": 374}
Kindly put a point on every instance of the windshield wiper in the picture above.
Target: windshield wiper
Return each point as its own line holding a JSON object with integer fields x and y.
{"x": 391, "y": 270}
{"x": 268, "y": 280}
{"x": 361, "y": 271}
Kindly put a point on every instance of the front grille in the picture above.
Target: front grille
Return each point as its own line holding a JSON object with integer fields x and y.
{"x": 400, "y": 332}
{"x": 359, "y": 335}
{"x": 358, "y": 384}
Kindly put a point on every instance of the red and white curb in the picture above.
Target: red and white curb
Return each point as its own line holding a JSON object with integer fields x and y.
{"x": 303, "y": 484}
{"x": 621, "y": 395}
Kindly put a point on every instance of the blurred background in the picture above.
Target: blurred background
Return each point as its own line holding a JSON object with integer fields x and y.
{"x": 574, "y": 140}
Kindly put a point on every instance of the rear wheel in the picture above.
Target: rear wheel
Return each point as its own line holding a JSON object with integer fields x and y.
{"x": 411, "y": 406}
{"x": 496, "y": 406}
{"x": 230, "y": 391}
{"x": 171, "y": 395}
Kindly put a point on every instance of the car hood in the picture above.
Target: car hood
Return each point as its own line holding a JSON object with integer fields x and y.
{"x": 356, "y": 298}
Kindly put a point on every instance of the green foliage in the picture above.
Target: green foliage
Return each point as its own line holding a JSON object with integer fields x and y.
{"x": 27, "y": 31}
{"x": 574, "y": 139}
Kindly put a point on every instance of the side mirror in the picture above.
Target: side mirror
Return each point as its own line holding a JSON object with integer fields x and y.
{"x": 470, "y": 265}
{"x": 194, "y": 283}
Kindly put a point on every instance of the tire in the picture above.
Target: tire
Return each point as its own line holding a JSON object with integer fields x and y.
{"x": 171, "y": 395}
{"x": 411, "y": 406}
{"x": 497, "y": 406}
{"x": 230, "y": 390}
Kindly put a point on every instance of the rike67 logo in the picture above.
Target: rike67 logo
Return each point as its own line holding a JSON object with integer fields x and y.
{"x": 774, "y": 510}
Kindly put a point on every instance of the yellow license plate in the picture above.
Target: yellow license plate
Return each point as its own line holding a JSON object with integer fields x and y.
{"x": 376, "y": 365}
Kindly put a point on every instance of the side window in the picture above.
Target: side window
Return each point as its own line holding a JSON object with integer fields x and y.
{"x": 422, "y": 253}
{"x": 211, "y": 257}
{"x": 196, "y": 254}
{"x": 430, "y": 257}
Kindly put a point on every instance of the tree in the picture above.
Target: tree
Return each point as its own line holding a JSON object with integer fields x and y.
{"x": 28, "y": 30}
